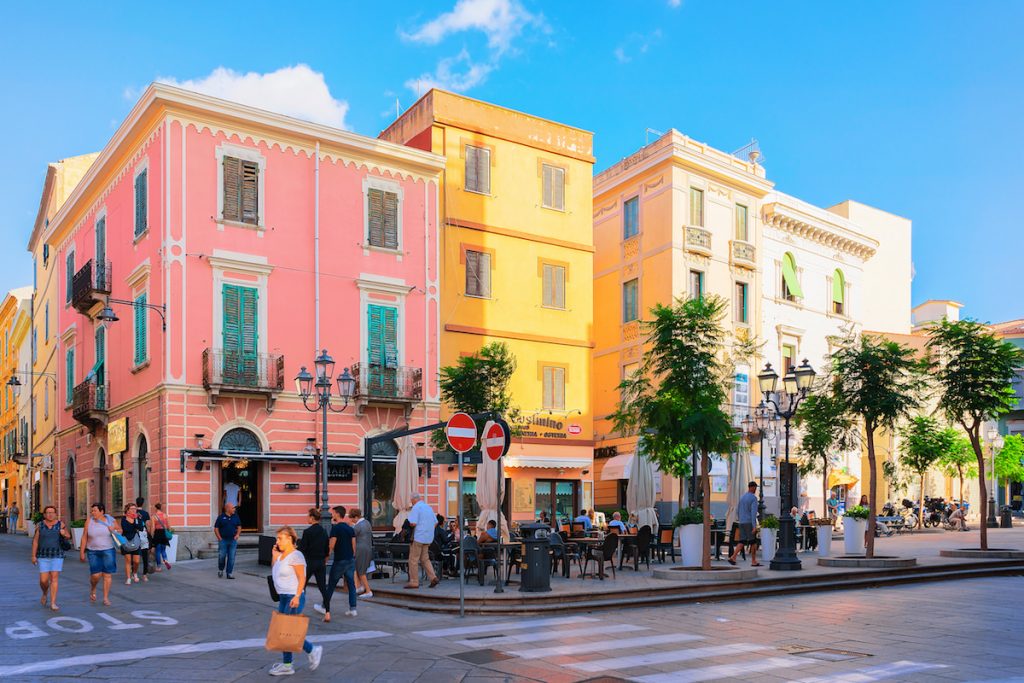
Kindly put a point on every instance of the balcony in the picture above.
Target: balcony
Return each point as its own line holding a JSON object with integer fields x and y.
{"x": 698, "y": 240}
{"x": 89, "y": 404}
{"x": 90, "y": 284}
{"x": 743, "y": 255}
{"x": 242, "y": 373}
{"x": 379, "y": 384}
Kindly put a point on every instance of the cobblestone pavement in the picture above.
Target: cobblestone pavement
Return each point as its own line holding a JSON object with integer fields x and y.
{"x": 187, "y": 625}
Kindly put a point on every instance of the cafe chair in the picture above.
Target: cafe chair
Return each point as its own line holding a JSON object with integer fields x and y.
{"x": 640, "y": 549}
{"x": 665, "y": 544}
{"x": 562, "y": 554}
{"x": 476, "y": 562}
{"x": 602, "y": 555}
{"x": 576, "y": 529}
{"x": 398, "y": 554}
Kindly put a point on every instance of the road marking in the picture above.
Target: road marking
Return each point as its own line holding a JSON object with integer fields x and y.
{"x": 503, "y": 626}
{"x": 662, "y": 657}
{"x": 553, "y": 634}
{"x": 713, "y": 673}
{"x": 874, "y": 673}
{"x": 169, "y": 650}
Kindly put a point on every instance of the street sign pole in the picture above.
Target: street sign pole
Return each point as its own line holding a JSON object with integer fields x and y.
{"x": 462, "y": 547}
{"x": 499, "y": 588}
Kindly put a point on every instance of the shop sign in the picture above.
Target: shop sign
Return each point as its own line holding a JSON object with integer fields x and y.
{"x": 117, "y": 436}
{"x": 537, "y": 426}
{"x": 339, "y": 471}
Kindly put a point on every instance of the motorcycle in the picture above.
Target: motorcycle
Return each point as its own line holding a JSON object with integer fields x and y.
{"x": 910, "y": 513}
{"x": 936, "y": 511}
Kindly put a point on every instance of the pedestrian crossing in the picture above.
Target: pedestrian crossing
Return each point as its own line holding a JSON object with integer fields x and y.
{"x": 584, "y": 645}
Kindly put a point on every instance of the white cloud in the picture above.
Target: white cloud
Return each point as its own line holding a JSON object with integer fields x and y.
{"x": 297, "y": 91}
{"x": 458, "y": 74}
{"x": 675, "y": 3}
{"x": 635, "y": 45}
{"x": 500, "y": 20}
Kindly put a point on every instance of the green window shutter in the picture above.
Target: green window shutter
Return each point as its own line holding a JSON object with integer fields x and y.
{"x": 789, "y": 275}
{"x": 250, "y": 192}
{"x": 375, "y": 217}
{"x": 69, "y": 268}
{"x": 390, "y": 220}
{"x": 141, "y": 202}
{"x": 101, "y": 245}
{"x": 375, "y": 334}
{"x": 232, "y": 189}
{"x": 69, "y": 375}
{"x": 249, "y": 332}
{"x": 140, "y": 329}
{"x": 391, "y": 337}
{"x": 838, "y": 287}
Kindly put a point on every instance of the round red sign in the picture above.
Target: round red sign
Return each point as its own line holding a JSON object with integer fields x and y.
{"x": 575, "y": 430}
{"x": 494, "y": 440}
{"x": 461, "y": 432}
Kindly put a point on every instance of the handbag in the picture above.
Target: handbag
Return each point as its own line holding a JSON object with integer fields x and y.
{"x": 274, "y": 595}
{"x": 286, "y": 632}
{"x": 65, "y": 543}
{"x": 126, "y": 546}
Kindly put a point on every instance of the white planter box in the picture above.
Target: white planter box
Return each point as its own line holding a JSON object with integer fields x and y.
{"x": 853, "y": 535}
{"x": 172, "y": 549}
{"x": 824, "y": 541}
{"x": 768, "y": 544}
{"x": 691, "y": 541}
{"x": 30, "y": 528}
{"x": 76, "y": 537}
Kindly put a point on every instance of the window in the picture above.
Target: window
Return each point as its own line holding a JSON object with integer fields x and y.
{"x": 478, "y": 274}
{"x": 101, "y": 249}
{"x": 560, "y": 499}
{"x": 554, "y": 286}
{"x": 696, "y": 284}
{"x": 382, "y": 348}
{"x": 742, "y": 231}
{"x": 69, "y": 274}
{"x": 741, "y": 303}
{"x": 470, "y": 507}
{"x": 630, "y": 218}
{"x": 46, "y": 252}
{"x": 838, "y": 292}
{"x": 35, "y": 346}
{"x": 478, "y": 169}
{"x": 790, "y": 285}
{"x": 239, "y": 335}
{"x": 554, "y": 187}
{"x": 241, "y": 191}
{"x": 554, "y": 388}
{"x": 46, "y": 323}
{"x": 141, "y": 202}
{"x": 788, "y": 356}
{"x": 629, "y": 370}
{"x": 630, "y": 303}
{"x": 696, "y": 207}
{"x": 69, "y": 375}
{"x": 141, "y": 345}
{"x": 382, "y": 218}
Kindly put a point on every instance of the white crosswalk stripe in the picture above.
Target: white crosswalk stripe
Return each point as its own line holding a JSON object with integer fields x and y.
{"x": 604, "y": 646}
{"x": 547, "y": 635}
{"x": 619, "y": 663}
{"x": 504, "y": 626}
{"x": 712, "y": 673}
{"x": 874, "y": 673}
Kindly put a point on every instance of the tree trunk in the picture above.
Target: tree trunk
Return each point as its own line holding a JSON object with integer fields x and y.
{"x": 682, "y": 492}
{"x": 872, "y": 474}
{"x": 920, "y": 505}
{"x": 824, "y": 491}
{"x": 982, "y": 490}
{"x": 960, "y": 471}
{"x": 705, "y": 487}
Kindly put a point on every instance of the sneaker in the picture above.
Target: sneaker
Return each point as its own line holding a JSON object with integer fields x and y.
{"x": 351, "y": 613}
{"x": 281, "y": 669}
{"x": 220, "y": 575}
{"x": 231, "y": 577}
{"x": 368, "y": 594}
{"x": 319, "y": 608}
{"x": 128, "y": 581}
{"x": 314, "y": 657}
{"x": 135, "y": 578}
{"x": 360, "y": 591}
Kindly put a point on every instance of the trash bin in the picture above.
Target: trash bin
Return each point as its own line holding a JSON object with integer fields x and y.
{"x": 1006, "y": 517}
{"x": 536, "y": 576}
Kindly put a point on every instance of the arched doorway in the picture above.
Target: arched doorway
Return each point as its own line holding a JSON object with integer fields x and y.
{"x": 101, "y": 458}
{"x": 142, "y": 468}
{"x": 72, "y": 509}
{"x": 240, "y": 477}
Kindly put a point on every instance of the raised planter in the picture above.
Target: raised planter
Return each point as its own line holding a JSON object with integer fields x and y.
{"x": 76, "y": 536}
{"x": 768, "y": 544}
{"x": 877, "y": 562}
{"x": 691, "y": 541}
{"x": 990, "y": 554}
{"x": 30, "y": 528}
{"x": 714, "y": 574}
{"x": 172, "y": 549}
{"x": 854, "y": 531}
{"x": 824, "y": 540}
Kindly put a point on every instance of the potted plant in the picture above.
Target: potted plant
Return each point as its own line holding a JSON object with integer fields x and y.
{"x": 31, "y": 522}
{"x": 77, "y": 530}
{"x": 855, "y": 526}
{"x": 769, "y": 534}
{"x": 690, "y": 522}
{"x": 824, "y": 529}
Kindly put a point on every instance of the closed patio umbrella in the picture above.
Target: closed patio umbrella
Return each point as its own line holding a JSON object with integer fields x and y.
{"x": 407, "y": 477}
{"x": 740, "y": 474}
{"x": 488, "y": 473}
{"x": 640, "y": 493}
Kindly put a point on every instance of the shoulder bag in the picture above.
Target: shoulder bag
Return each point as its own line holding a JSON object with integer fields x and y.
{"x": 65, "y": 543}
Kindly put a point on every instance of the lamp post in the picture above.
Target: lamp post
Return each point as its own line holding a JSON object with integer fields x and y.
{"x": 324, "y": 365}
{"x": 763, "y": 424}
{"x": 795, "y": 386}
{"x": 995, "y": 441}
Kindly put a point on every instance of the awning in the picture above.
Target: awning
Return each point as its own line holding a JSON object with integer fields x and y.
{"x": 297, "y": 457}
{"x": 617, "y": 467}
{"x": 841, "y": 479}
{"x": 547, "y": 463}
{"x": 789, "y": 275}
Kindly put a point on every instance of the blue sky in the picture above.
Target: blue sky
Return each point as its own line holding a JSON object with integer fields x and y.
{"x": 913, "y": 107}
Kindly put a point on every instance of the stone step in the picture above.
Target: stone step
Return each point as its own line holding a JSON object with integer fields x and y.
{"x": 211, "y": 553}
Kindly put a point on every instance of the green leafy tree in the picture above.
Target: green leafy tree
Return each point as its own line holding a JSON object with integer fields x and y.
{"x": 478, "y": 384}
{"x": 879, "y": 382}
{"x": 1008, "y": 459}
{"x": 958, "y": 461}
{"x": 924, "y": 442}
{"x": 826, "y": 430}
{"x": 675, "y": 401}
{"x": 975, "y": 371}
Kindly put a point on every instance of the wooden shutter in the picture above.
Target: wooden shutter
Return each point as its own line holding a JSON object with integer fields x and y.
{"x": 390, "y": 228}
{"x": 478, "y": 274}
{"x": 390, "y": 337}
{"x": 250, "y": 192}
{"x": 231, "y": 339}
{"x": 478, "y": 169}
{"x": 140, "y": 329}
{"x": 554, "y": 187}
{"x": 232, "y": 189}
{"x": 485, "y": 275}
{"x": 548, "y": 389}
{"x": 696, "y": 207}
{"x": 249, "y": 332}
{"x": 558, "y": 388}
{"x": 101, "y": 356}
{"x": 472, "y": 181}
{"x": 742, "y": 232}
{"x": 548, "y": 287}
{"x": 69, "y": 269}
{"x": 141, "y": 203}
{"x": 375, "y": 217}
{"x": 375, "y": 334}
{"x": 559, "y": 281}
{"x": 69, "y": 375}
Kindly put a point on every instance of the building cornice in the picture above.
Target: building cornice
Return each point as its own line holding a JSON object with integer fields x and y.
{"x": 816, "y": 225}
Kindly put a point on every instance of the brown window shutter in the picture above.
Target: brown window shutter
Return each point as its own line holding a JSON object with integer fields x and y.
{"x": 375, "y": 219}
{"x": 232, "y": 189}
{"x": 250, "y": 192}
{"x": 558, "y": 388}
{"x": 547, "y": 185}
{"x": 390, "y": 220}
{"x": 472, "y": 182}
{"x": 485, "y": 275}
{"x": 483, "y": 170}
{"x": 548, "y": 399}
{"x": 558, "y": 277}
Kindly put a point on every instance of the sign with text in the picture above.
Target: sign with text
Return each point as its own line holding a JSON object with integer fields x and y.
{"x": 117, "y": 436}
{"x": 474, "y": 457}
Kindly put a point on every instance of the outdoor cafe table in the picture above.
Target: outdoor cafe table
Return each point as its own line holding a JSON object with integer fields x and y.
{"x": 489, "y": 550}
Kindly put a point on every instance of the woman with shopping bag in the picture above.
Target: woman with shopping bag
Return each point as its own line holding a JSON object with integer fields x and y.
{"x": 287, "y": 625}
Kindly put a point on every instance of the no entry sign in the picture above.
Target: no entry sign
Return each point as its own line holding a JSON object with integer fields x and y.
{"x": 461, "y": 432}
{"x": 495, "y": 440}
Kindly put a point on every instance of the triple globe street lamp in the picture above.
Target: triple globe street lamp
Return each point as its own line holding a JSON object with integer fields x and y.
{"x": 764, "y": 424}
{"x": 795, "y": 385}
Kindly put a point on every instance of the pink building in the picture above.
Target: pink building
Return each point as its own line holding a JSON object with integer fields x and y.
{"x": 261, "y": 239}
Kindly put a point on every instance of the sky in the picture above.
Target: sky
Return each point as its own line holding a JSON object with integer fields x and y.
{"x": 912, "y": 107}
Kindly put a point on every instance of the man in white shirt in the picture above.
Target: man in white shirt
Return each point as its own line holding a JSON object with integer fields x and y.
{"x": 423, "y": 521}
{"x": 231, "y": 493}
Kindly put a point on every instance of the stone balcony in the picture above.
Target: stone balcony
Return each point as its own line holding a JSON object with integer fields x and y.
{"x": 743, "y": 254}
{"x": 698, "y": 240}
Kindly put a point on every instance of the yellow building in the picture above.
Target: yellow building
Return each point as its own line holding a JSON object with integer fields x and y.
{"x": 41, "y": 381}
{"x": 677, "y": 218}
{"x": 14, "y": 324}
{"x": 516, "y": 260}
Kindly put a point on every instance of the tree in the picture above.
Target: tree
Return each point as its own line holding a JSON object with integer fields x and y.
{"x": 675, "y": 400}
{"x": 975, "y": 372}
{"x": 478, "y": 384}
{"x": 826, "y": 429}
{"x": 1008, "y": 459}
{"x": 879, "y": 382}
{"x": 924, "y": 442}
{"x": 958, "y": 460}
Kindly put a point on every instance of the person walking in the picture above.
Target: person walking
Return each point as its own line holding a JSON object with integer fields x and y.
{"x": 161, "y": 537}
{"x": 313, "y": 546}
{"x": 12, "y": 518}
{"x": 289, "y": 573}
{"x": 147, "y": 537}
{"x": 343, "y": 548}
{"x": 48, "y": 555}
{"x": 364, "y": 550}
{"x": 746, "y": 515}
{"x": 227, "y": 528}
{"x": 423, "y": 520}
{"x": 98, "y": 544}
{"x": 133, "y": 529}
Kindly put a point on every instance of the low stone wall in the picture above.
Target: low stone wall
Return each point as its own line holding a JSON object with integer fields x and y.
{"x": 867, "y": 562}
{"x": 991, "y": 554}
{"x": 715, "y": 574}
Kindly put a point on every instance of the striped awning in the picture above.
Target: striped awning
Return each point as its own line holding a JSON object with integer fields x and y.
{"x": 547, "y": 463}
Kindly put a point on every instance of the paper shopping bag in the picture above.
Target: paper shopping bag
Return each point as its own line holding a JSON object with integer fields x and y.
{"x": 286, "y": 632}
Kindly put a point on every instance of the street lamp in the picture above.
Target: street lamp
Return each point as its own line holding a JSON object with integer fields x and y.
{"x": 795, "y": 386}
{"x": 995, "y": 441}
{"x": 762, "y": 423}
{"x": 14, "y": 384}
{"x": 324, "y": 366}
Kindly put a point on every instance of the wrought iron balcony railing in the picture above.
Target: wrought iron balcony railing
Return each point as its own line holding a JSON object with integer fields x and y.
{"x": 89, "y": 402}
{"x": 243, "y": 372}
{"x": 399, "y": 384}
{"x": 90, "y": 284}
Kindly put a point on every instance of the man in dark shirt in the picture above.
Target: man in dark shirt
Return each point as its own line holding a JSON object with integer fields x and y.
{"x": 313, "y": 546}
{"x": 227, "y": 528}
{"x": 144, "y": 516}
{"x": 343, "y": 547}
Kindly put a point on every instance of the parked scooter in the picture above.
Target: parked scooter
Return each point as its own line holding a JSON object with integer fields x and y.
{"x": 936, "y": 511}
{"x": 910, "y": 513}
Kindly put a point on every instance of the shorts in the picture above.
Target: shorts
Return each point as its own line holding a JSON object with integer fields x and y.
{"x": 50, "y": 564}
{"x": 102, "y": 561}
{"x": 747, "y": 534}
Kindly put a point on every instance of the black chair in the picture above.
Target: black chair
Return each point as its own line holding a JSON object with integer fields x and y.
{"x": 640, "y": 548}
{"x": 602, "y": 555}
{"x": 398, "y": 558}
{"x": 665, "y": 543}
{"x": 434, "y": 553}
{"x": 477, "y": 562}
{"x": 561, "y": 555}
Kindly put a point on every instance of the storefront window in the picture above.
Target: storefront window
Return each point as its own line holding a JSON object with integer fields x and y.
{"x": 470, "y": 506}
{"x": 383, "y": 490}
{"x": 117, "y": 492}
{"x": 557, "y": 498}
